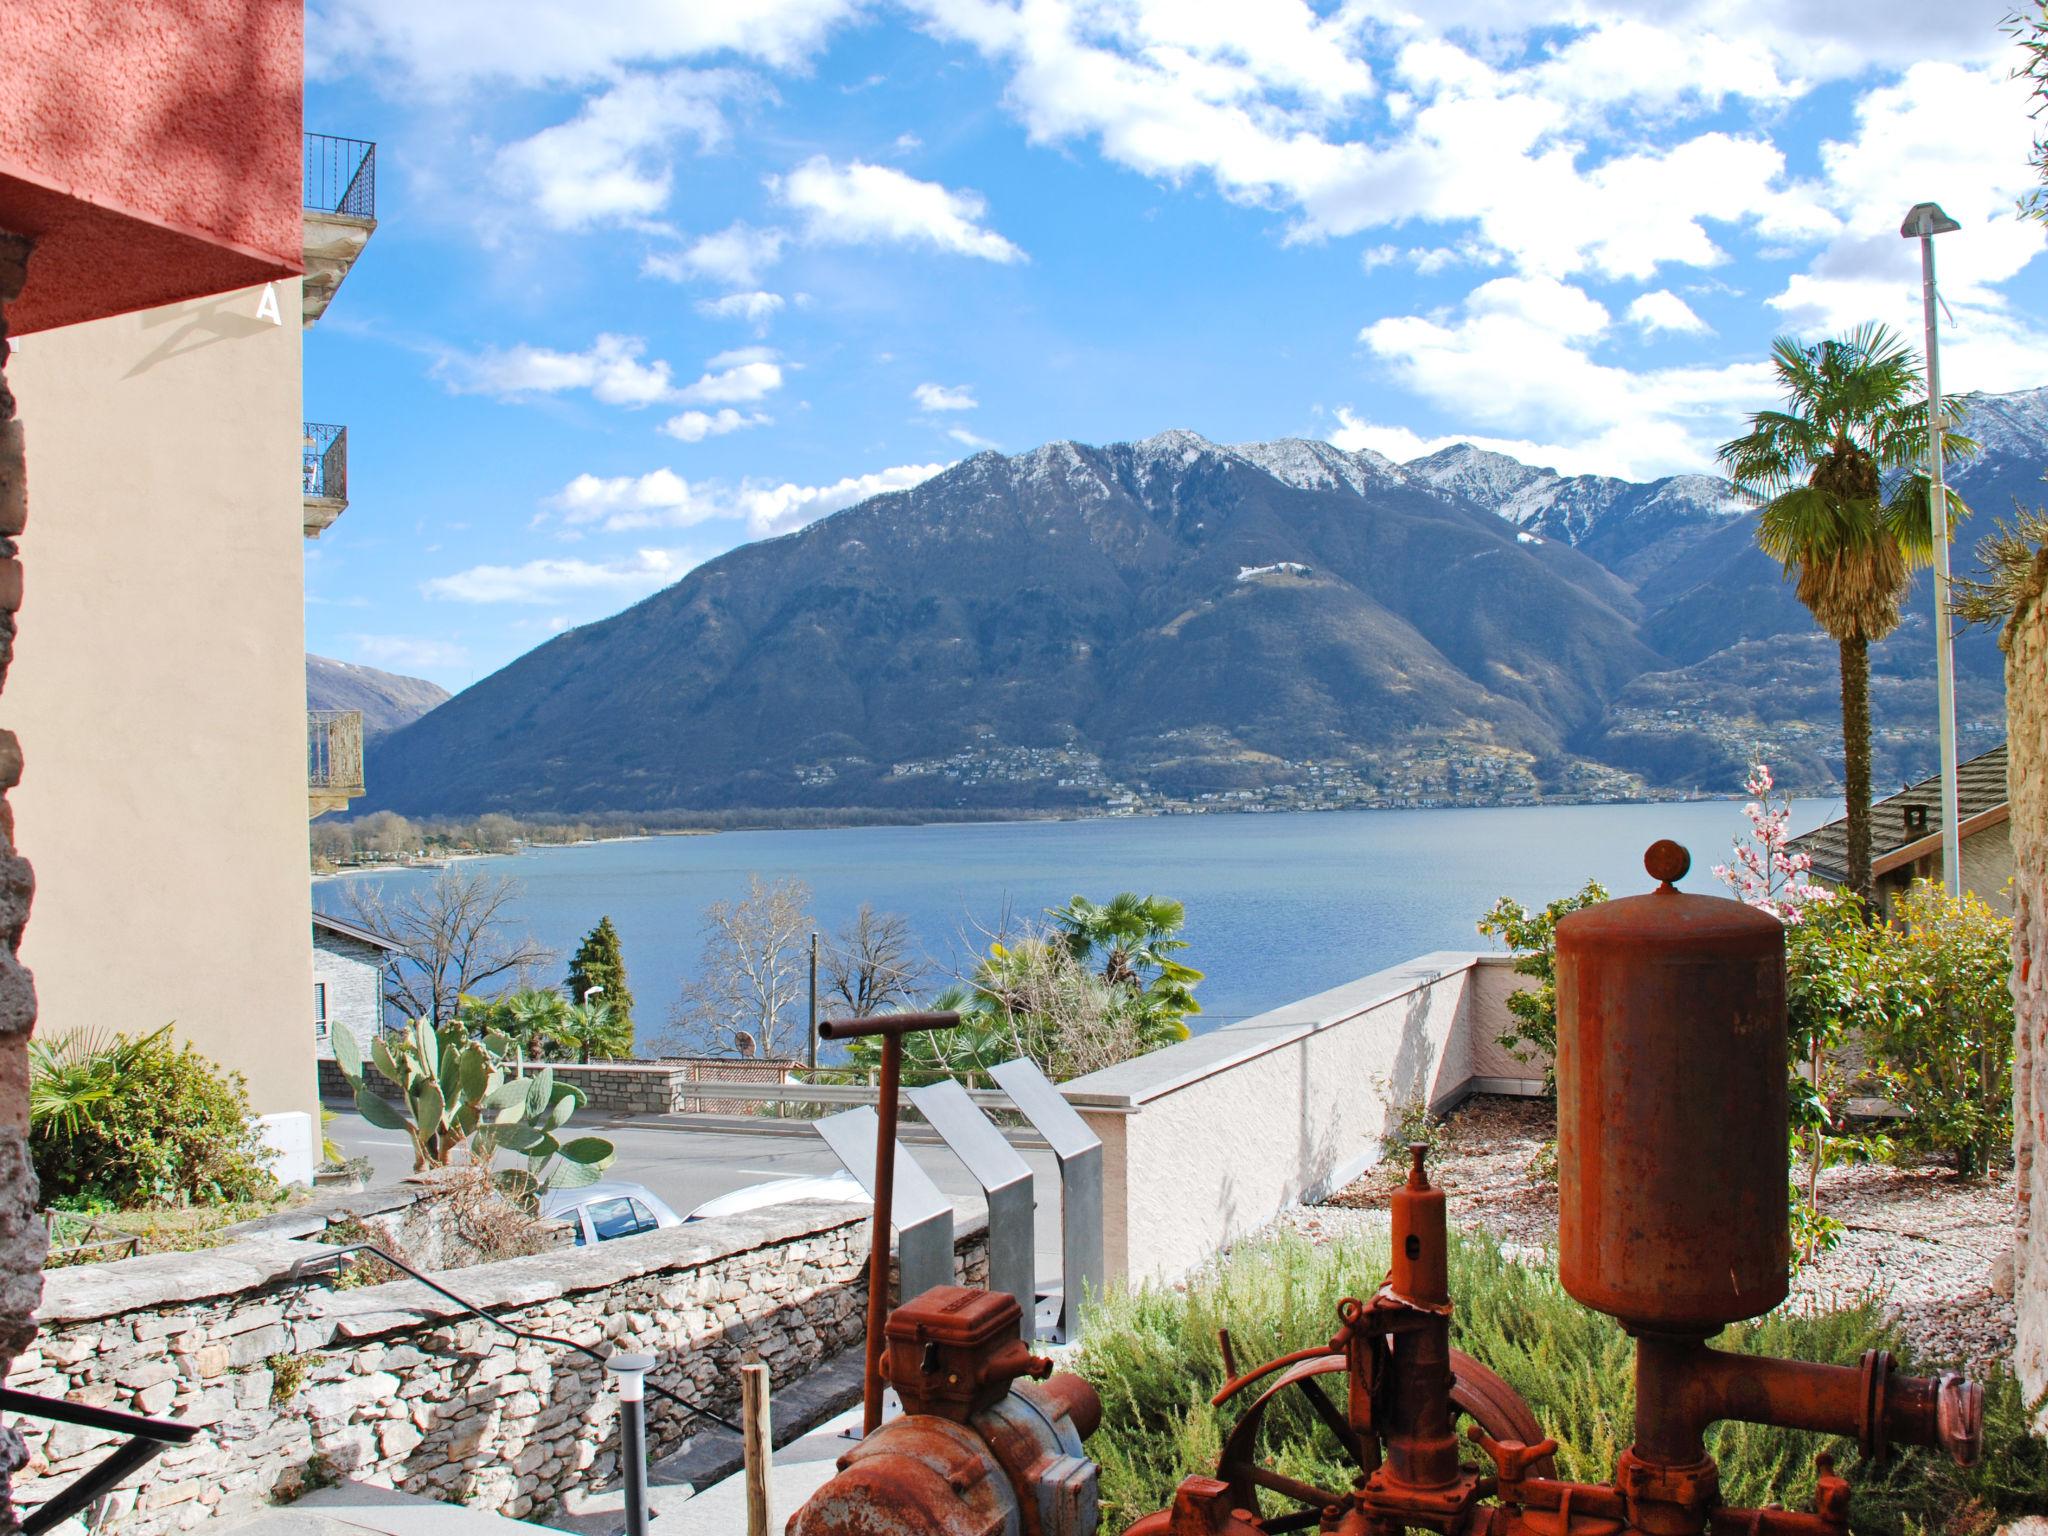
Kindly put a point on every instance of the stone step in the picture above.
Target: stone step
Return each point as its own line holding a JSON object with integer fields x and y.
{"x": 351, "y": 1509}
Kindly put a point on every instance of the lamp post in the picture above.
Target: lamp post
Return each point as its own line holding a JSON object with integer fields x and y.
{"x": 1923, "y": 222}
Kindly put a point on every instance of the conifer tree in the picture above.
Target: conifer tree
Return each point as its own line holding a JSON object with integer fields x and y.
{"x": 598, "y": 962}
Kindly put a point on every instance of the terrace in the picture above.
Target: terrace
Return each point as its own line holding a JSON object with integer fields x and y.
{"x": 339, "y": 214}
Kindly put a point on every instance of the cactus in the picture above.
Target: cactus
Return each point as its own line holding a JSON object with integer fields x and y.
{"x": 454, "y": 1095}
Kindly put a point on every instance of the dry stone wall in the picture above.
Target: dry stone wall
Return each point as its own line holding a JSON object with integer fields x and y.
{"x": 295, "y": 1383}
{"x": 2026, "y": 704}
{"x": 22, "y": 1240}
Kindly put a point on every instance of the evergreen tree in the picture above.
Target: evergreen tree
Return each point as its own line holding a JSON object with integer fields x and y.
{"x": 599, "y": 963}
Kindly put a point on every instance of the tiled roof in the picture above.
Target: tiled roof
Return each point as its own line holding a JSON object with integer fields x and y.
{"x": 1896, "y": 820}
{"x": 335, "y": 925}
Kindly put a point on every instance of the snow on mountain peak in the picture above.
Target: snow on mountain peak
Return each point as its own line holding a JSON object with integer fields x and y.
{"x": 1310, "y": 464}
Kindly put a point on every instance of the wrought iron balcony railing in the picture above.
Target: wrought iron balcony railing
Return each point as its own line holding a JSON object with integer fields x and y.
{"x": 341, "y": 176}
{"x": 334, "y": 751}
{"x": 324, "y": 462}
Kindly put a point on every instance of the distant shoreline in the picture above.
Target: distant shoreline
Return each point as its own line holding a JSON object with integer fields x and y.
{"x": 861, "y": 818}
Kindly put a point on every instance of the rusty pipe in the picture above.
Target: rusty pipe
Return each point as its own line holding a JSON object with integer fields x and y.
{"x": 891, "y": 1027}
{"x": 1074, "y": 1397}
{"x": 1682, "y": 1387}
{"x": 887, "y": 1025}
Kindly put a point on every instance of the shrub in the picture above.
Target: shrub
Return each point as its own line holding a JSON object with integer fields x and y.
{"x": 1153, "y": 1355}
{"x": 121, "y": 1123}
{"x": 1940, "y": 1033}
{"x": 1533, "y": 938}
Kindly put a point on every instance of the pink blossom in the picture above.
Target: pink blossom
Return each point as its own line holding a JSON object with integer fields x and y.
{"x": 1764, "y": 875}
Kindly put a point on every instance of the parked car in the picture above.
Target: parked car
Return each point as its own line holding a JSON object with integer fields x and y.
{"x": 843, "y": 1187}
{"x": 607, "y": 1209}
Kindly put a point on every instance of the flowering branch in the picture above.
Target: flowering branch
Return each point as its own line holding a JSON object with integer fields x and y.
{"x": 1766, "y": 874}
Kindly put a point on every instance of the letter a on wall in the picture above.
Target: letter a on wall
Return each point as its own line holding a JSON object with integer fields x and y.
{"x": 266, "y": 307}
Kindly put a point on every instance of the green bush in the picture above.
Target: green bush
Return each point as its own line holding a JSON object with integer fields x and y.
{"x": 1941, "y": 1034}
{"x": 1153, "y": 1355}
{"x": 119, "y": 1123}
{"x": 1533, "y": 938}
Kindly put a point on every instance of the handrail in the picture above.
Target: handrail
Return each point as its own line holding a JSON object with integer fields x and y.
{"x": 340, "y": 175}
{"x": 147, "y": 1439}
{"x": 320, "y": 1263}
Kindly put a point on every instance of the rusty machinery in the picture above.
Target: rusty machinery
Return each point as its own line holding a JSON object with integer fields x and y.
{"x": 1671, "y": 1113}
{"x": 989, "y": 1443}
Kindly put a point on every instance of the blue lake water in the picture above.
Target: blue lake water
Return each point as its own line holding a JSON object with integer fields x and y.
{"x": 1278, "y": 906}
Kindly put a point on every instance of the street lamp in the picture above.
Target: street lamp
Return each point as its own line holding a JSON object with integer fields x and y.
{"x": 1923, "y": 223}
{"x": 589, "y": 993}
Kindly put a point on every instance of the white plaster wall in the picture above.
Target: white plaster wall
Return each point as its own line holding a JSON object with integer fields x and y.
{"x": 1207, "y": 1140}
{"x": 159, "y": 684}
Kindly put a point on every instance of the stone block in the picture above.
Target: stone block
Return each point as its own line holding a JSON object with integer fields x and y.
{"x": 205, "y": 1362}
{"x": 147, "y": 1374}
{"x": 154, "y": 1399}
{"x": 13, "y": 478}
{"x": 258, "y": 1344}
{"x": 398, "y": 1438}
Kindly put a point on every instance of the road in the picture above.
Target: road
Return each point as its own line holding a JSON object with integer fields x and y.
{"x": 686, "y": 1167}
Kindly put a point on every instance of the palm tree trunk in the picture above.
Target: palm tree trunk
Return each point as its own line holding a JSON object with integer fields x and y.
{"x": 1856, "y": 759}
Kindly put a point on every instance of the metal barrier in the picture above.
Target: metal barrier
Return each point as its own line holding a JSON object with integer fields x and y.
{"x": 923, "y": 1216}
{"x": 341, "y": 176}
{"x": 147, "y": 1439}
{"x": 1005, "y": 1180}
{"x": 323, "y": 461}
{"x": 1079, "y": 1151}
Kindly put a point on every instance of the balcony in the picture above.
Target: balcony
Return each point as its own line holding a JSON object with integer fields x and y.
{"x": 334, "y": 759}
{"x": 339, "y": 215}
{"x": 323, "y": 471}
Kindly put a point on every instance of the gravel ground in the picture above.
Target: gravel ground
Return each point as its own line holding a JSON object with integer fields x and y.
{"x": 1919, "y": 1238}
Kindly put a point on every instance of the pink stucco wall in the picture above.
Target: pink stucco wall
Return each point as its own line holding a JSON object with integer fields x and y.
{"x": 150, "y": 148}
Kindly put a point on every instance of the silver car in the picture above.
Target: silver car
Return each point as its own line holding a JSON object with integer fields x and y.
{"x": 607, "y": 1209}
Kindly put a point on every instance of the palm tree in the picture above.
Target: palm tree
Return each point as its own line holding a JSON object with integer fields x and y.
{"x": 593, "y": 1030}
{"x": 1131, "y": 940}
{"x": 1853, "y": 414}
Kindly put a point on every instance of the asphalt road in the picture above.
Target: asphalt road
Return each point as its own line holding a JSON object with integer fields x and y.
{"x": 686, "y": 1167}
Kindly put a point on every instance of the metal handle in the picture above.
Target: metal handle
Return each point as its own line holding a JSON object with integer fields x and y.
{"x": 887, "y": 1025}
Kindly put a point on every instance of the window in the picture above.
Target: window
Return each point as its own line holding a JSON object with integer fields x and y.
{"x": 319, "y": 1010}
{"x": 620, "y": 1217}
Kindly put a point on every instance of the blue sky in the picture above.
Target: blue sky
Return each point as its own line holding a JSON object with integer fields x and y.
{"x": 655, "y": 277}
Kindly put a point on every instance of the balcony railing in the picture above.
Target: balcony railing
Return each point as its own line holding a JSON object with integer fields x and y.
{"x": 324, "y": 462}
{"x": 334, "y": 751}
{"x": 341, "y": 176}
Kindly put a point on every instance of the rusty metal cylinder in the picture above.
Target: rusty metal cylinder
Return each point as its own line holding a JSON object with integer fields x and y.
{"x": 1671, "y": 1108}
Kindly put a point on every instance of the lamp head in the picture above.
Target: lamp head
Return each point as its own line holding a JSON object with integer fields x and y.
{"x": 1924, "y": 219}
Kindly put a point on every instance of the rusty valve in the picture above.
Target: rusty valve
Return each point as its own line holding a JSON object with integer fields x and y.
{"x": 989, "y": 1443}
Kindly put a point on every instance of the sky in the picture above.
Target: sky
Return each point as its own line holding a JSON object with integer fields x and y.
{"x": 654, "y": 278}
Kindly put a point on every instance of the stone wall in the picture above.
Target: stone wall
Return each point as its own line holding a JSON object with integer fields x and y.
{"x": 295, "y": 1382}
{"x": 2026, "y": 706}
{"x": 22, "y": 1240}
{"x": 672, "y": 1086}
{"x": 353, "y": 973}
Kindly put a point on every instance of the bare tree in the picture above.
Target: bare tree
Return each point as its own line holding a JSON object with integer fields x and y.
{"x": 869, "y": 965}
{"x": 747, "y": 996}
{"x": 453, "y": 937}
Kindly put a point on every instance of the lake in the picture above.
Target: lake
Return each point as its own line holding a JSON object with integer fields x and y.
{"x": 1278, "y": 906}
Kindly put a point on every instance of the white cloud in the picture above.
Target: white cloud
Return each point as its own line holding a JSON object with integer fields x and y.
{"x": 695, "y": 426}
{"x": 1555, "y": 133}
{"x": 610, "y": 162}
{"x": 1664, "y": 310}
{"x": 862, "y": 204}
{"x": 1402, "y": 445}
{"x": 545, "y": 581}
{"x": 662, "y": 498}
{"x": 1518, "y": 358}
{"x": 944, "y": 397}
{"x": 755, "y": 306}
{"x": 1961, "y": 134}
{"x": 451, "y": 45}
{"x": 969, "y": 439}
{"x": 737, "y": 255}
{"x": 611, "y": 368}
{"x": 659, "y": 496}
{"x": 747, "y": 374}
{"x": 784, "y": 508}
{"x": 410, "y": 653}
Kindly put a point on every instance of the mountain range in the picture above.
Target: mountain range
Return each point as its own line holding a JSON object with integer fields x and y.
{"x": 387, "y": 699}
{"x": 1176, "y": 623}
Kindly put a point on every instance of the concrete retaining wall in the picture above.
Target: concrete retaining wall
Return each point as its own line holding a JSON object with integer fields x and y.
{"x": 1207, "y": 1140}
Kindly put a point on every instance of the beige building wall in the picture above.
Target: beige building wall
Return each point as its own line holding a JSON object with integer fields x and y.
{"x": 2026, "y": 708}
{"x": 159, "y": 684}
